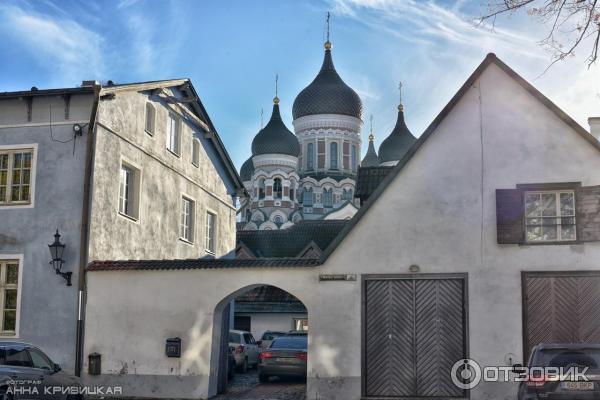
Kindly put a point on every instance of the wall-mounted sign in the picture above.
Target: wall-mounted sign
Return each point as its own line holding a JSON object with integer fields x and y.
{"x": 337, "y": 277}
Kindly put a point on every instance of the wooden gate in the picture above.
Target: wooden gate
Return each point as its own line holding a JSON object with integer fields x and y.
{"x": 414, "y": 330}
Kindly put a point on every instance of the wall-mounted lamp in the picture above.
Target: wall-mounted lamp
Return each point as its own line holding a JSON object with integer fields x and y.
{"x": 56, "y": 252}
{"x": 77, "y": 129}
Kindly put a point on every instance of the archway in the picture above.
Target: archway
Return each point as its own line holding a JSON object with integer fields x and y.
{"x": 245, "y": 325}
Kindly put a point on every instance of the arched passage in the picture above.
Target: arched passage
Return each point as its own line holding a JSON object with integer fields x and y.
{"x": 269, "y": 312}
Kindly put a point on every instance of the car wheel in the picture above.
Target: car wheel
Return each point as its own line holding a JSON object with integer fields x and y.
{"x": 262, "y": 378}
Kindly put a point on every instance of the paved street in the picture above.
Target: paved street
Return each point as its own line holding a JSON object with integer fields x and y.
{"x": 246, "y": 387}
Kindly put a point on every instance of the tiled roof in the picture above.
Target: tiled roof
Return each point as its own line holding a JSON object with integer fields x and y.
{"x": 288, "y": 243}
{"x": 148, "y": 265}
{"x": 368, "y": 180}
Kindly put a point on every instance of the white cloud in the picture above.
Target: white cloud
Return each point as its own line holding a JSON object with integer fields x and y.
{"x": 58, "y": 43}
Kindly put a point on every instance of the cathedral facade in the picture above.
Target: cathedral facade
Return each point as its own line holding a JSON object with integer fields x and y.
{"x": 311, "y": 174}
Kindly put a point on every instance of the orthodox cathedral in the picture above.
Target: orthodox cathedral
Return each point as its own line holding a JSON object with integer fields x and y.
{"x": 312, "y": 174}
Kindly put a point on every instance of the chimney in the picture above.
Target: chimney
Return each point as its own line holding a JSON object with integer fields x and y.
{"x": 89, "y": 83}
{"x": 594, "y": 126}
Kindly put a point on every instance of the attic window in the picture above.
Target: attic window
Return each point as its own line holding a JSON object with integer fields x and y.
{"x": 150, "y": 119}
{"x": 195, "y": 152}
{"x": 549, "y": 216}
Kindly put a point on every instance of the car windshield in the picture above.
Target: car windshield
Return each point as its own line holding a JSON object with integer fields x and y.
{"x": 271, "y": 335}
{"x": 295, "y": 343}
{"x": 565, "y": 358}
{"x": 234, "y": 337}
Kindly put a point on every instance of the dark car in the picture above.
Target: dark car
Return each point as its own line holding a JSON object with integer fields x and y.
{"x": 27, "y": 373}
{"x": 267, "y": 338}
{"x": 286, "y": 357}
{"x": 565, "y": 356}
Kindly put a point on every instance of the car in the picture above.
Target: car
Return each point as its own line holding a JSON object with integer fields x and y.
{"x": 246, "y": 349}
{"x": 26, "y": 372}
{"x": 297, "y": 333}
{"x": 286, "y": 357}
{"x": 538, "y": 386}
{"x": 267, "y": 338}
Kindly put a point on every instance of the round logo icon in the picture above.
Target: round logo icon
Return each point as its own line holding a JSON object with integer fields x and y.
{"x": 466, "y": 374}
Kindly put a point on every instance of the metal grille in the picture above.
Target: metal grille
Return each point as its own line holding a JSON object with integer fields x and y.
{"x": 561, "y": 308}
{"x": 414, "y": 333}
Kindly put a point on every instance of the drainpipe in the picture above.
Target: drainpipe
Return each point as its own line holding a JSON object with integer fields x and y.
{"x": 84, "y": 243}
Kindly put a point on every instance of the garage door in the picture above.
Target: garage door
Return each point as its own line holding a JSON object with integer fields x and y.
{"x": 413, "y": 332}
{"x": 560, "y": 307}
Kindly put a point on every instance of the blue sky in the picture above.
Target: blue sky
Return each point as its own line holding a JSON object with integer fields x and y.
{"x": 232, "y": 50}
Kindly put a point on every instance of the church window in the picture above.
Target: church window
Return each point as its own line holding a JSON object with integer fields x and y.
{"x": 353, "y": 158}
{"x": 321, "y": 153}
{"x": 277, "y": 188}
{"x": 346, "y": 153}
{"x": 333, "y": 155}
{"x": 307, "y": 197}
{"x": 261, "y": 188}
{"x": 310, "y": 156}
{"x": 292, "y": 191}
{"x": 327, "y": 198}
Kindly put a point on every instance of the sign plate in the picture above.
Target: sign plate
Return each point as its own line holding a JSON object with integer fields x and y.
{"x": 337, "y": 277}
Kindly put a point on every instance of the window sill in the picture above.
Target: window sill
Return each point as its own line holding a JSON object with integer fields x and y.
{"x": 151, "y": 134}
{"x": 212, "y": 253}
{"x": 196, "y": 165}
{"x": 172, "y": 152}
{"x": 550, "y": 243}
{"x": 129, "y": 217}
{"x": 186, "y": 241}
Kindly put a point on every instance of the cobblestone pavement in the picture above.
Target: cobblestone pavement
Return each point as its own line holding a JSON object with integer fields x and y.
{"x": 246, "y": 387}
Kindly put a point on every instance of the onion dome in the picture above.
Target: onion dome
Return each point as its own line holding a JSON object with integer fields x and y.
{"x": 275, "y": 137}
{"x": 371, "y": 159}
{"x": 247, "y": 170}
{"x": 395, "y": 146}
{"x": 327, "y": 94}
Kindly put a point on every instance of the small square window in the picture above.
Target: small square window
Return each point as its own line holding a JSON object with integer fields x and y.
{"x": 16, "y": 172}
{"x": 550, "y": 216}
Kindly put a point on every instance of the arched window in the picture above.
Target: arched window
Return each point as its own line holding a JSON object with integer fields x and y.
{"x": 277, "y": 188}
{"x": 307, "y": 197}
{"x": 333, "y": 155}
{"x": 347, "y": 194}
{"x": 353, "y": 158}
{"x": 327, "y": 198}
{"x": 292, "y": 190}
{"x": 150, "y": 118}
{"x": 261, "y": 188}
{"x": 310, "y": 156}
{"x": 195, "y": 152}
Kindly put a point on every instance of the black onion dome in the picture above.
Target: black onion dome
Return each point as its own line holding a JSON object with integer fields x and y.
{"x": 247, "y": 170}
{"x": 395, "y": 146}
{"x": 275, "y": 137}
{"x": 371, "y": 159}
{"x": 327, "y": 94}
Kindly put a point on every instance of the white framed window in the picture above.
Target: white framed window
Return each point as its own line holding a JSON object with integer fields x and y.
{"x": 550, "y": 216}
{"x": 195, "y": 152}
{"x": 129, "y": 180}
{"x": 17, "y": 176}
{"x": 10, "y": 281}
{"x": 211, "y": 224}
{"x": 174, "y": 135}
{"x": 186, "y": 224}
{"x": 300, "y": 324}
{"x": 150, "y": 118}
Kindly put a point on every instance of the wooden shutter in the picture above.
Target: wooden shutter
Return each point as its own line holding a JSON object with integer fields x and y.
{"x": 587, "y": 202}
{"x": 509, "y": 216}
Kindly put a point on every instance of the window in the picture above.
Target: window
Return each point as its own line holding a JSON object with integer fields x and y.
{"x": 300, "y": 324}
{"x": 277, "y": 188}
{"x": 174, "y": 134}
{"x": 9, "y": 287}
{"x": 186, "y": 225}
{"x": 310, "y": 156}
{"x": 333, "y": 155}
{"x": 195, "y": 152}
{"x": 550, "y": 216}
{"x": 17, "y": 357}
{"x": 307, "y": 197}
{"x": 210, "y": 232}
{"x": 261, "y": 188}
{"x": 327, "y": 198}
{"x": 321, "y": 153}
{"x": 353, "y": 158}
{"x": 292, "y": 191}
{"x": 150, "y": 118}
{"x": 346, "y": 154}
{"x": 40, "y": 361}
{"x": 347, "y": 194}
{"x": 129, "y": 191}
{"x": 16, "y": 169}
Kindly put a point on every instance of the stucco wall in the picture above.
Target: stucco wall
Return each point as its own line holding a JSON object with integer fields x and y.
{"x": 165, "y": 177}
{"x": 438, "y": 213}
{"x": 48, "y": 309}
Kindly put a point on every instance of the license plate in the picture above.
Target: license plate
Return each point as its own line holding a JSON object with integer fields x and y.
{"x": 578, "y": 385}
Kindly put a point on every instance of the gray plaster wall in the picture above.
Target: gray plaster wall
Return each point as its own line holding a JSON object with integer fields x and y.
{"x": 121, "y": 136}
{"x": 48, "y": 308}
{"x": 438, "y": 213}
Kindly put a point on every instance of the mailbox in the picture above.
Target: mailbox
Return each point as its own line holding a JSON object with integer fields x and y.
{"x": 94, "y": 364}
{"x": 173, "y": 347}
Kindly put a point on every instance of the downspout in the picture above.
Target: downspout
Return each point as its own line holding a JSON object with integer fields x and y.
{"x": 84, "y": 243}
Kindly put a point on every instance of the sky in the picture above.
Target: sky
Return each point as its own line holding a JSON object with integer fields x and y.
{"x": 231, "y": 50}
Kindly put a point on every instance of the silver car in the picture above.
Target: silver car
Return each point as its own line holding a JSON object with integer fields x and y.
{"x": 245, "y": 349}
{"x": 27, "y": 373}
{"x": 267, "y": 339}
{"x": 286, "y": 357}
